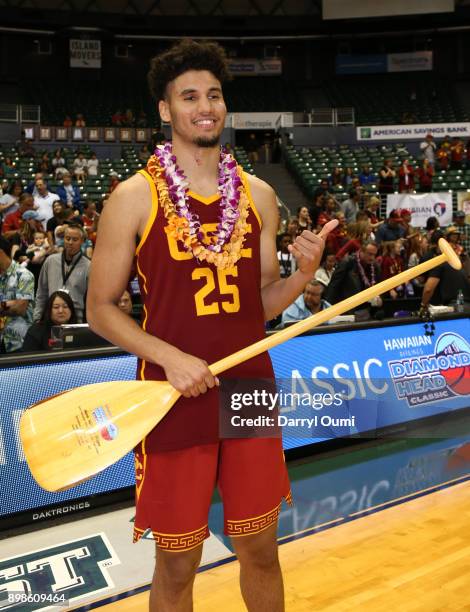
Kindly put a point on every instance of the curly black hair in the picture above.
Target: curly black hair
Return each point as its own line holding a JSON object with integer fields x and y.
{"x": 186, "y": 55}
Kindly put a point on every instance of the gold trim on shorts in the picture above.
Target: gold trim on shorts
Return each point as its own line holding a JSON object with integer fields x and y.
{"x": 258, "y": 523}
{"x": 175, "y": 542}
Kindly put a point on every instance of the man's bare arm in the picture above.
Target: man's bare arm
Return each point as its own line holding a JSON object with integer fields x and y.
{"x": 277, "y": 293}
{"x": 123, "y": 219}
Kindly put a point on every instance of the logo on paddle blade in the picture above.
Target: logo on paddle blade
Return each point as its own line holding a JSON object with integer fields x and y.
{"x": 108, "y": 429}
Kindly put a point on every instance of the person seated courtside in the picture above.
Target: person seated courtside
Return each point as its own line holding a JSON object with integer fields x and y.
{"x": 59, "y": 310}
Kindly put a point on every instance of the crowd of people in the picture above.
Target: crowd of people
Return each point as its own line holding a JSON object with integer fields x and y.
{"x": 47, "y": 241}
{"x": 364, "y": 249}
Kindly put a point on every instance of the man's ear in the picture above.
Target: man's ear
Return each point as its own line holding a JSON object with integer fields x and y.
{"x": 164, "y": 110}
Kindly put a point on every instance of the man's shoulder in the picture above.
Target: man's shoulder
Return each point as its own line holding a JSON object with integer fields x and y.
{"x": 22, "y": 273}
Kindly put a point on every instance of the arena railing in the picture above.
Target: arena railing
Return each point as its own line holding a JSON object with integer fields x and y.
{"x": 20, "y": 113}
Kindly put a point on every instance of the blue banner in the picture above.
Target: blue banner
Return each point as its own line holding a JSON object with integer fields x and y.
{"x": 361, "y": 64}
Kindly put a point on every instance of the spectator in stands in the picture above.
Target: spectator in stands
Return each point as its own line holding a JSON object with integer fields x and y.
{"x": 322, "y": 189}
{"x": 337, "y": 237}
{"x": 284, "y": 256}
{"x": 67, "y": 270}
{"x": 303, "y": 216}
{"x": 59, "y": 310}
{"x": 354, "y": 274}
{"x": 67, "y": 123}
{"x": 80, "y": 120}
{"x": 367, "y": 177}
{"x": 336, "y": 177}
{"x": 357, "y": 233}
{"x": 9, "y": 202}
{"x": 31, "y": 187}
{"x": 144, "y": 153}
{"x": 371, "y": 208}
{"x": 117, "y": 119}
{"x": 386, "y": 177}
{"x": 464, "y": 229}
{"x": 457, "y": 151}
{"x": 292, "y": 228}
{"x": 307, "y": 304}
{"x": 406, "y": 180}
{"x": 80, "y": 167}
{"x": 392, "y": 264}
{"x": 443, "y": 157}
{"x": 57, "y": 219}
{"x": 444, "y": 282}
{"x": 319, "y": 206}
{"x": 69, "y": 193}
{"x": 417, "y": 246}
{"x": 405, "y": 220}
{"x": 12, "y": 222}
{"x": 428, "y": 149}
{"x": 425, "y": 176}
{"x": 432, "y": 226}
{"x": 92, "y": 165}
{"x": 252, "y": 148}
{"x": 9, "y": 167}
{"x": 326, "y": 268}
{"x": 125, "y": 303}
{"x": 348, "y": 177}
{"x": 58, "y": 164}
{"x": 129, "y": 119}
{"x": 27, "y": 149}
{"x": 24, "y": 237}
{"x": 43, "y": 201}
{"x": 326, "y": 215}
{"x": 16, "y": 305}
{"x": 90, "y": 219}
{"x": 114, "y": 181}
{"x": 142, "y": 120}
{"x": 44, "y": 165}
{"x": 453, "y": 237}
{"x": 350, "y": 207}
{"x": 391, "y": 229}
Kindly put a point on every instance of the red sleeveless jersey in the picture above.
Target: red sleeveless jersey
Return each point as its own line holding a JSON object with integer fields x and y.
{"x": 201, "y": 310}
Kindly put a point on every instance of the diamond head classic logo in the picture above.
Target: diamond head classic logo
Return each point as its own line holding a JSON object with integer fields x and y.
{"x": 65, "y": 572}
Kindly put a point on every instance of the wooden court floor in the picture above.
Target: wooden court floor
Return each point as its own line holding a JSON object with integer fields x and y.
{"x": 411, "y": 557}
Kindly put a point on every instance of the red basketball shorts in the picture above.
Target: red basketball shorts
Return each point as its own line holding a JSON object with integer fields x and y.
{"x": 174, "y": 490}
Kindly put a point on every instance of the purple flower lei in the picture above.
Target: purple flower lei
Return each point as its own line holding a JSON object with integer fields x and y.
{"x": 365, "y": 280}
{"x": 229, "y": 184}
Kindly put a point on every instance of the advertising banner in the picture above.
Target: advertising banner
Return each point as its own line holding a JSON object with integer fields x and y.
{"x": 463, "y": 203}
{"x": 413, "y": 131}
{"x": 356, "y": 381}
{"x": 409, "y": 62}
{"x": 255, "y": 67}
{"x": 259, "y": 121}
{"x": 423, "y": 206}
{"x": 85, "y": 53}
{"x": 361, "y": 64}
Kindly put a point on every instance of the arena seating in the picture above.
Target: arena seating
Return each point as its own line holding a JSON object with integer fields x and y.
{"x": 385, "y": 99}
{"x": 310, "y": 165}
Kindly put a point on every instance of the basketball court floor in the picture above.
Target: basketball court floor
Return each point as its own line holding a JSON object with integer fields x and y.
{"x": 373, "y": 527}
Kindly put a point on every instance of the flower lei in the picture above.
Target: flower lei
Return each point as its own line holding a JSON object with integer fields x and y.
{"x": 222, "y": 247}
{"x": 365, "y": 280}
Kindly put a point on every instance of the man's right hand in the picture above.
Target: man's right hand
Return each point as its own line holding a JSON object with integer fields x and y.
{"x": 188, "y": 374}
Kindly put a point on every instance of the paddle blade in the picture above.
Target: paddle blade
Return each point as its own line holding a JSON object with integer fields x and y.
{"x": 73, "y": 436}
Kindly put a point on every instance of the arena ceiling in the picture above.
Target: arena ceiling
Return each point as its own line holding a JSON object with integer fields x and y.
{"x": 207, "y": 17}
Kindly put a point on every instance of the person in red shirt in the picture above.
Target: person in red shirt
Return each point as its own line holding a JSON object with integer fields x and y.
{"x": 90, "y": 219}
{"x": 13, "y": 222}
{"x": 426, "y": 173}
{"x": 456, "y": 154}
{"x": 338, "y": 237}
{"x": 406, "y": 181}
{"x": 443, "y": 158}
{"x": 392, "y": 263}
{"x": 327, "y": 214}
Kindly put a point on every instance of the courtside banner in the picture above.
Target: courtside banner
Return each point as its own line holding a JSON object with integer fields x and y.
{"x": 85, "y": 53}
{"x": 416, "y": 131}
{"x": 255, "y": 67}
{"x": 384, "y": 376}
{"x": 423, "y": 206}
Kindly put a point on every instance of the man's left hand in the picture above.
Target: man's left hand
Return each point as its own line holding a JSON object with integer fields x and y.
{"x": 308, "y": 248}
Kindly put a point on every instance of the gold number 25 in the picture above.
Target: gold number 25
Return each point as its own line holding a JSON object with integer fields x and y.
{"x": 204, "y": 307}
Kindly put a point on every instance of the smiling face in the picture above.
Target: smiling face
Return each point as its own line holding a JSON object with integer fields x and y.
{"x": 195, "y": 107}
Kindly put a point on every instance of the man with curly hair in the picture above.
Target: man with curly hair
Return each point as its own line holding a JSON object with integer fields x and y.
{"x": 209, "y": 278}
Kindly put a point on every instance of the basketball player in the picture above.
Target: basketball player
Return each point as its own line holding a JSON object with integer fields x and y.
{"x": 209, "y": 280}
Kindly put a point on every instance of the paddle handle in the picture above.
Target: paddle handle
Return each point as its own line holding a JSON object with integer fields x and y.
{"x": 447, "y": 255}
